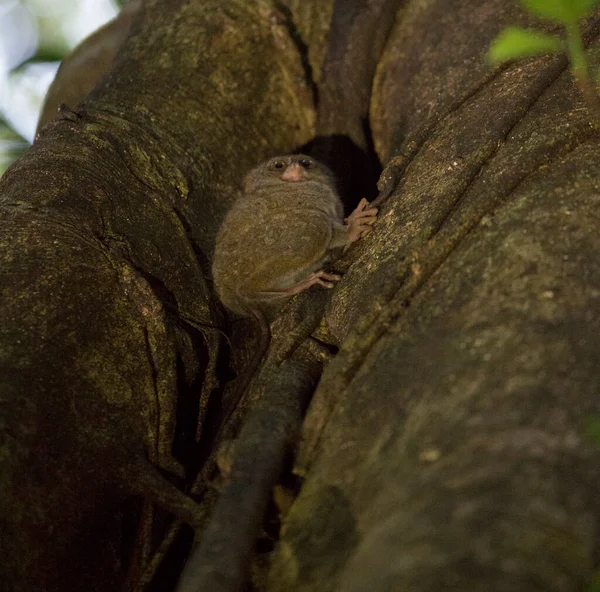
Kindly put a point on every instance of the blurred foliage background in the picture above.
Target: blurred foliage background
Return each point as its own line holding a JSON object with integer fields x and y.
{"x": 34, "y": 36}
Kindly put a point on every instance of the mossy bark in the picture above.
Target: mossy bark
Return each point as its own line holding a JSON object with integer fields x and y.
{"x": 445, "y": 448}
{"x": 445, "y": 445}
{"x": 108, "y": 322}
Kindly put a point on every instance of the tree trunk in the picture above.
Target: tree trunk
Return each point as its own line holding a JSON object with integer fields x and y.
{"x": 110, "y": 331}
{"x": 444, "y": 447}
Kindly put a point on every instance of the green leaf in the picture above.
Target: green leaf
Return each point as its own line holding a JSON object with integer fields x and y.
{"x": 567, "y": 12}
{"x": 49, "y": 54}
{"x": 516, "y": 43}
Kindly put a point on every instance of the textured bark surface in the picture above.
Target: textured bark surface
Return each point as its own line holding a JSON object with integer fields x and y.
{"x": 83, "y": 68}
{"x": 310, "y": 22}
{"x": 108, "y": 319}
{"x": 444, "y": 448}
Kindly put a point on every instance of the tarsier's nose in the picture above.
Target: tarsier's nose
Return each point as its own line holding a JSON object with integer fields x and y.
{"x": 294, "y": 172}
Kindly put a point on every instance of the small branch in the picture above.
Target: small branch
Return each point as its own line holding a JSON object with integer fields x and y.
{"x": 220, "y": 562}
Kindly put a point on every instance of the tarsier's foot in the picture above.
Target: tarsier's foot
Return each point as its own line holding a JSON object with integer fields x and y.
{"x": 323, "y": 278}
{"x": 360, "y": 221}
{"x": 320, "y": 278}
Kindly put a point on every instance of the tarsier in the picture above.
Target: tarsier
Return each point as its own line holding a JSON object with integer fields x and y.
{"x": 277, "y": 237}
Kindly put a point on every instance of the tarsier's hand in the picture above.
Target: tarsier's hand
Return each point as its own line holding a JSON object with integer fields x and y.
{"x": 360, "y": 221}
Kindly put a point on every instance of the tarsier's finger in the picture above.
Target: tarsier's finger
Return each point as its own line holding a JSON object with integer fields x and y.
{"x": 370, "y": 212}
{"x": 324, "y": 284}
{"x": 331, "y": 277}
{"x": 367, "y": 220}
{"x": 361, "y": 218}
{"x": 357, "y": 215}
{"x": 364, "y": 225}
{"x": 362, "y": 204}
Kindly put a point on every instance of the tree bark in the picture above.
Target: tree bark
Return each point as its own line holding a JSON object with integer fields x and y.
{"x": 110, "y": 331}
{"x": 444, "y": 447}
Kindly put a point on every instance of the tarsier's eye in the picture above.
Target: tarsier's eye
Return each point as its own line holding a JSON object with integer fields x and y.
{"x": 306, "y": 163}
{"x": 279, "y": 164}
